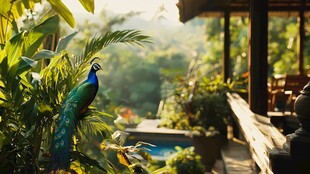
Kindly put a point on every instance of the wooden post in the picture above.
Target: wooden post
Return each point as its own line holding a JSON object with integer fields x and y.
{"x": 226, "y": 57}
{"x": 258, "y": 65}
{"x": 300, "y": 42}
{"x": 295, "y": 158}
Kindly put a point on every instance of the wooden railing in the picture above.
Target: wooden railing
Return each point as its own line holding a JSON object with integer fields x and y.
{"x": 272, "y": 151}
{"x": 261, "y": 136}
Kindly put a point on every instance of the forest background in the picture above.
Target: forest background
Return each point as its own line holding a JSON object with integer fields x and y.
{"x": 140, "y": 77}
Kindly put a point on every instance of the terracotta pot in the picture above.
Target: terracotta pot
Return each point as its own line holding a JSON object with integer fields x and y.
{"x": 208, "y": 148}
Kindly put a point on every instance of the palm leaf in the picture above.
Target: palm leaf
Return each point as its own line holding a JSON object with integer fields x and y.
{"x": 93, "y": 125}
{"x": 84, "y": 159}
{"x": 96, "y": 44}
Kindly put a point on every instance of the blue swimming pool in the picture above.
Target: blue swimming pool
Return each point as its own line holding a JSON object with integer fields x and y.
{"x": 165, "y": 139}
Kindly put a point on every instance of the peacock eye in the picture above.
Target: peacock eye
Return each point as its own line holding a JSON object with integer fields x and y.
{"x": 67, "y": 121}
{"x": 62, "y": 142}
{"x": 63, "y": 131}
{"x": 56, "y": 145}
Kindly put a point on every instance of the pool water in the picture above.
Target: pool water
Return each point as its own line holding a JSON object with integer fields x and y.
{"x": 164, "y": 139}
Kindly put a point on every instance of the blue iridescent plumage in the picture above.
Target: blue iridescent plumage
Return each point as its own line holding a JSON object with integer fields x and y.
{"x": 75, "y": 105}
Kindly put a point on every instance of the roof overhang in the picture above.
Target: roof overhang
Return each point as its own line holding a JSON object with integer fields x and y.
{"x": 189, "y": 9}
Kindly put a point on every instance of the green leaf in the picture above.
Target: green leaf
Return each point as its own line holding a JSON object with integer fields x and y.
{"x": 14, "y": 49}
{"x": 64, "y": 41}
{"x": 36, "y": 36}
{"x": 145, "y": 155}
{"x": 93, "y": 125}
{"x": 44, "y": 108}
{"x": 84, "y": 159}
{"x": 2, "y": 97}
{"x": 89, "y": 5}
{"x": 120, "y": 137}
{"x": 125, "y": 36}
{"x": 63, "y": 11}
{"x": 44, "y": 54}
{"x": 5, "y": 7}
{"x": 25, "y": 64}
{"x": 24, "y": 81}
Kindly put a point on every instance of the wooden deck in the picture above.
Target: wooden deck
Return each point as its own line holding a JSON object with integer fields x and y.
{"x": 237, "y": 159}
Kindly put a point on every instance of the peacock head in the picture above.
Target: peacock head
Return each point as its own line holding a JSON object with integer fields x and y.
{"x": 95, "y": 66}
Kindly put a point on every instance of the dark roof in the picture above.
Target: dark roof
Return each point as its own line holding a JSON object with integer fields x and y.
{"x": 189, "y": 9}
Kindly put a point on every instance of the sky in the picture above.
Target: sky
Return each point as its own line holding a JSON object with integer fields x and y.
{"x": 148, "y": 7}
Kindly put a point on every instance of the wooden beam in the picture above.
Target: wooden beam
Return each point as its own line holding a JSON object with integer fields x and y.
{"x": 258, "y": 65}
{"x": 226, "y": 57}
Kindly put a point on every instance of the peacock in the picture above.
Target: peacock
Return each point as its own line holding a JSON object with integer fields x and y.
{"x": 75, "y": 105}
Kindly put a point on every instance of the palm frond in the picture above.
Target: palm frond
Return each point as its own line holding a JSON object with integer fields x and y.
{"x": 84, "y": 159}
{"x": 133, "y": 37}
{"x": 93, "y": 125}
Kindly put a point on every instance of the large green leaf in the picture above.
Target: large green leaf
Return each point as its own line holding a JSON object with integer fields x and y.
{"x": 44, "y": 54}
{"x": 36, "y": 36}
{"x": 14, "y": 49}
{"x": 63, "y": 11}
{"x": 64, "y": 41}
{"x": 25, "y": 64}
{"x": 89, "y": 5}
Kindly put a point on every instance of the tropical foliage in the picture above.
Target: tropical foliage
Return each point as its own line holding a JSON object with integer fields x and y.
{"x": 182, "y": 162}
{"x": 34, "y": 82}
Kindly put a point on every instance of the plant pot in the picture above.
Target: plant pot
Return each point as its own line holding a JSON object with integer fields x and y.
{"x": 208, "y": 148}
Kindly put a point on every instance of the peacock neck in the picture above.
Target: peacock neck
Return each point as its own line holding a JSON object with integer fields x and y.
{"x": 92, "y": 77}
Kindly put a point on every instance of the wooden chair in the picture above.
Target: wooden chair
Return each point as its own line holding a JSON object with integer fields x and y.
{"x": 276, "y": 89}
{"x": 292, "y": 87}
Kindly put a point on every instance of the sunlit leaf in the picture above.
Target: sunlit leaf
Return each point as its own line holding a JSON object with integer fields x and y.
{"x": 14, "y": 49}
{"x": 37, "y": 35}
{"x": 89, "y": 5}
{"x": 5, "y": 7}
{"x": 120, "y": 137}
{"x": 24, "y": 81}
{"x": 44, "y": 108}
{"x": 63, "y": 11}
{"x": 64, "y": 41}
{"x": 123, "y": 159}
{"x": 2, "y": 97}
{"x": 125, "y": 36}
{"x": 77, "y": 167}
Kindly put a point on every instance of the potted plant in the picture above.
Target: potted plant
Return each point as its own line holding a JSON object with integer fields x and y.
{"x": 200, "y": 106}
{"x": 207, "y": 144}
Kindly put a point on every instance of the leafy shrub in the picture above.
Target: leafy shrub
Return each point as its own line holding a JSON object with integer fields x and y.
{"x": 185, "y": 161}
